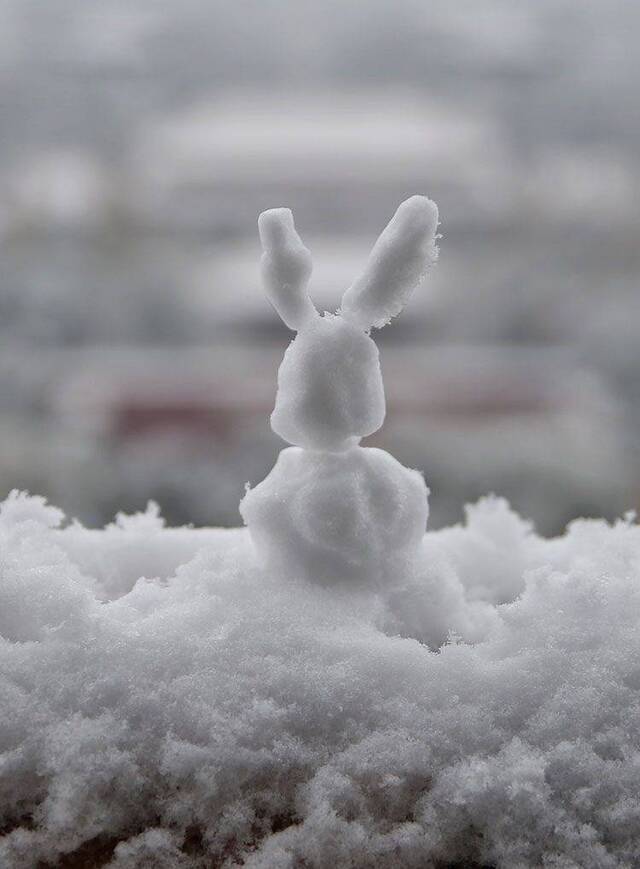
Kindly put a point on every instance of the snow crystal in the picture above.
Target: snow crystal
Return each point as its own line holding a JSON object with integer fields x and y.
{"x": 226, "y": 712}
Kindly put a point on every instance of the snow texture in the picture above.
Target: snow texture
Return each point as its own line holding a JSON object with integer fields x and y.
{"x": 168, "y": 702}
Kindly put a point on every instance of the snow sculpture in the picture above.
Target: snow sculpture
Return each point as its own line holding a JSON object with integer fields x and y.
{"x": 330, "y": 509}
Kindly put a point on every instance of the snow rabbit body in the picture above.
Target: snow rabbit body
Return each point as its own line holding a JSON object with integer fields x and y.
{"x": 330, "y": 510}
{"x": 330, "y": 391}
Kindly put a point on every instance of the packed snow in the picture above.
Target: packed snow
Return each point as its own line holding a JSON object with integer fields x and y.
{"x": 398, "y": 262}
{"x": 330, "y": 391}
{"x": 337, "y": 517}
{"x": 331, "y": 510}
{"x": 332, "y": 685}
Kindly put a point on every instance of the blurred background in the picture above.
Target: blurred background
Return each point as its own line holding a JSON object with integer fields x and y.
{"x": 140, "y": 139}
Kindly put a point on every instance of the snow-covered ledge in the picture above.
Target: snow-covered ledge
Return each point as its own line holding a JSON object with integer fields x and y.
{"x": 331, "y": 686}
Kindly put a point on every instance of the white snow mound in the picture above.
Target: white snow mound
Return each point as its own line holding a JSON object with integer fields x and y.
{"x": 165, "y": 701}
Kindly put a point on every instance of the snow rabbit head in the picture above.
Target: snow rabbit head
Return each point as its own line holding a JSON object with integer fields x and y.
{"x": 330, "y": 391}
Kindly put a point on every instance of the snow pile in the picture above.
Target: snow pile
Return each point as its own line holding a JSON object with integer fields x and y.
{"x": 219, "y": 712}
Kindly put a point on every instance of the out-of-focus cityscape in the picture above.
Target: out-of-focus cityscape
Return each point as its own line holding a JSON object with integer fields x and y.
{"x": 140, "y": 140}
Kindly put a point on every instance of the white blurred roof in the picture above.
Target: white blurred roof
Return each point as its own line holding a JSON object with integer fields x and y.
{"x": 251, "y": 137}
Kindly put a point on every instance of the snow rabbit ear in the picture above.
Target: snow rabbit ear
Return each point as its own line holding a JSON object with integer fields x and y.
{"x": 286, "y": 267}
{"x": 398, "y": 262}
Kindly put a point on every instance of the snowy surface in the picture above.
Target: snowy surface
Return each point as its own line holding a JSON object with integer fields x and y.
{"x": 168, "y": 702}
